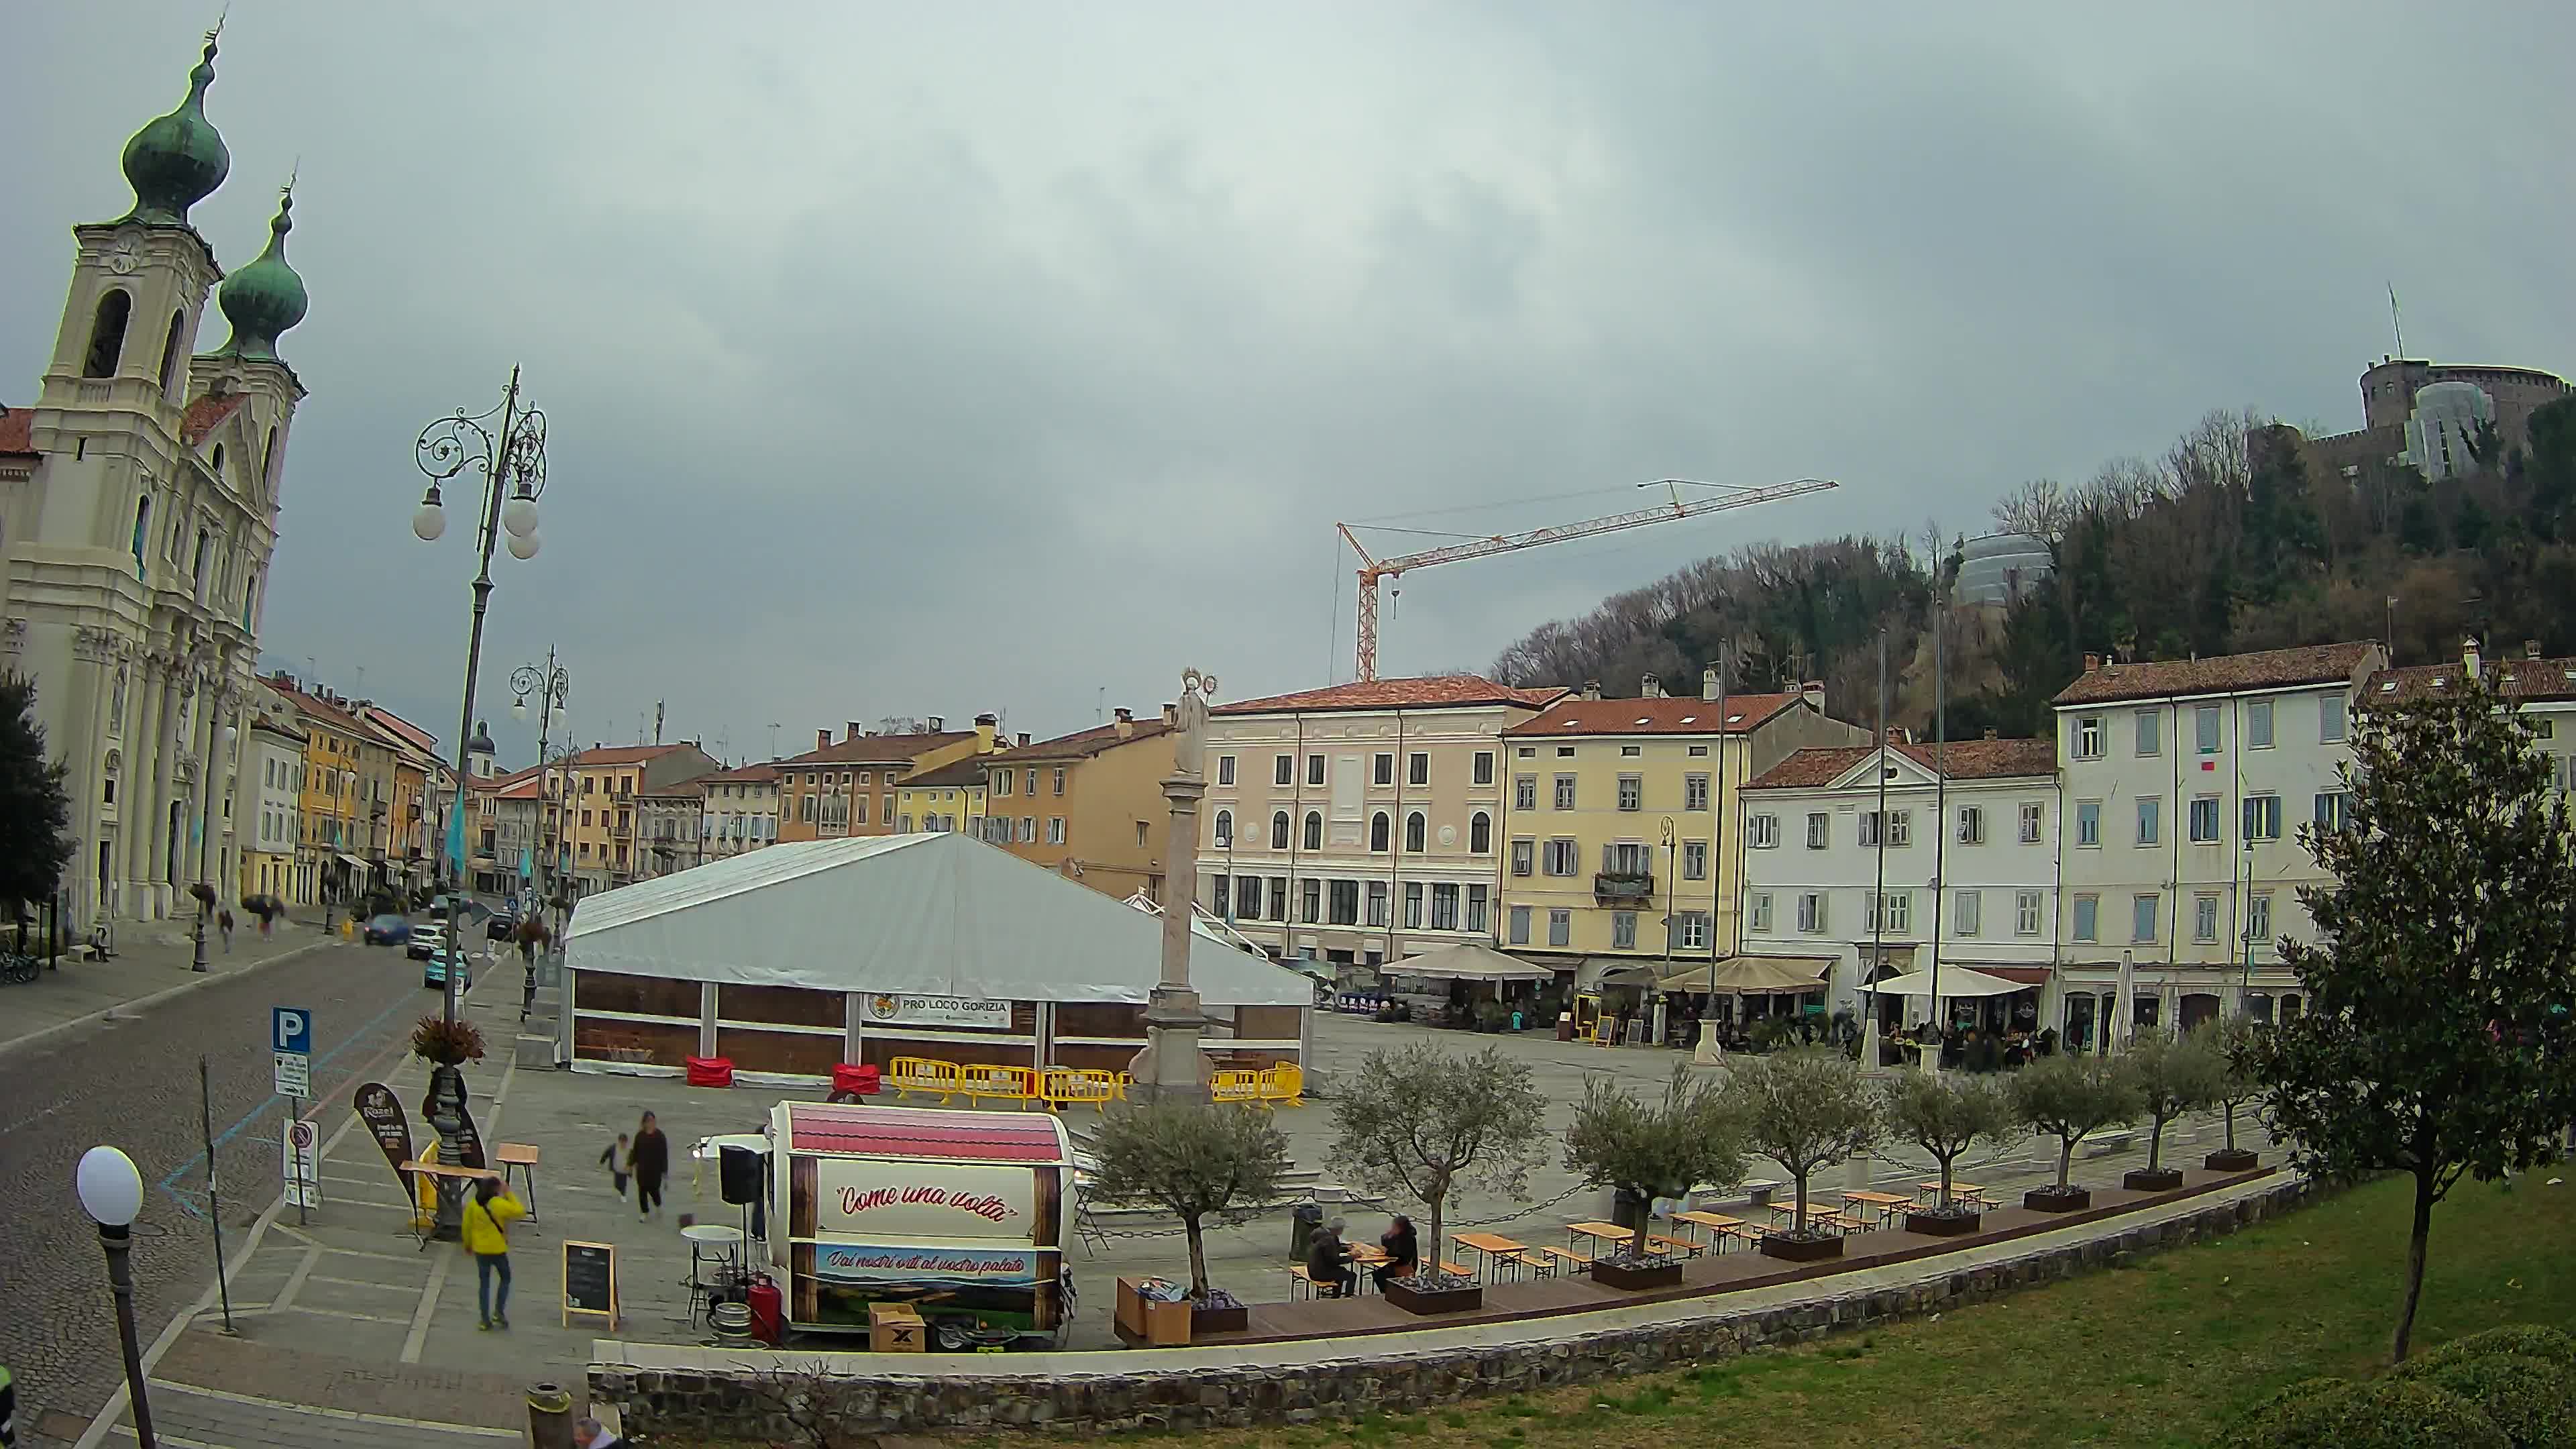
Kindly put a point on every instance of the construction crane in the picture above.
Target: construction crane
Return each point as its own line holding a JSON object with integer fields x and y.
{"x": 1372, "y": 569}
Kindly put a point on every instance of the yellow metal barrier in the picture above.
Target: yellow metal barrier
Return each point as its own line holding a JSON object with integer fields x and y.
{"x": 983, "y": 1079}
{"x": 1061, "y": 1087}
{"x": 1284, "y": 1082}
{"x": 926, "y": 1075}
{"x": 1236, "y": 1085}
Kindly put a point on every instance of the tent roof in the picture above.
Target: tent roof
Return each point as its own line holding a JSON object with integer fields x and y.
{"x": 1751, "y": 975}
{"x": 1955, "y": 981}
{"x": 1467, "y": 961}
{"x": 931, "y": 915}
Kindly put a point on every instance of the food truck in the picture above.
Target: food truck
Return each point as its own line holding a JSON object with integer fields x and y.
{"x": 960, "y": 1215}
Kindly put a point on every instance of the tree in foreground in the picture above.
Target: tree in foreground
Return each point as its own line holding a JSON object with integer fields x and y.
{"x": 2436, "y": 1040}
{"x": 35, "y": 809}
{"x": 1198, "y": 1162}
{"x": 1429, "y": 1124}
{"x": 1804, "y": 1110}
{"x": 2070, "y": 1098}
{"x": 1654, "y": 1149}
{"x": 2170, "y": 1075}
{"x": 1945, "y": 1114}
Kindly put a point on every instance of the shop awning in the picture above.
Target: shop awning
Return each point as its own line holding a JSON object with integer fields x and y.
{"x": 1955, "y": 981}
{"x": 1751, "y": 976}
{"x": 1468, "y": 961}
{"x": 2025, "y": 975}
{"x": 351, "y": 861}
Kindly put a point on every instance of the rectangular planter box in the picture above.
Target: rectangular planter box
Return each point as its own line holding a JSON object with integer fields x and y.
{"x": 2162, "y": 1179}
{"x": 2050, "y": 1200}
{"x": 2224, "y": 1160}
{"x": 1237, "y": 1319}
{"x": 1942, "y": 1225}
{"x": 1801, "y": 1250}
{"x": 1404, "y": 1295}
{"x": 1664, "y": 1273}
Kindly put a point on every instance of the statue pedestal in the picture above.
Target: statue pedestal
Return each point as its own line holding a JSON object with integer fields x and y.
{"x": 1171, "y": 1068}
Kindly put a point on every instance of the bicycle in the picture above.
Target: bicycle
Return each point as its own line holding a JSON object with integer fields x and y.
{"x": 17, "y": 968}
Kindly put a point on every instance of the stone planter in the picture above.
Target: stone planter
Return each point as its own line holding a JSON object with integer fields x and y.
{"x": 2053, "y": 1200}
{"x": 1451, "y": 1296}
{"x": 1801, "y": 1250}
{"x": 1637, "y": 1273}
{"x": 2231, "y": 1159}
{"x": 2160, "y": 1179}
{"x": 1936, "y": 1223}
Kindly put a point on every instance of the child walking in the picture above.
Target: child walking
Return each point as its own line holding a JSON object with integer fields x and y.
{"x": 618, "y": 1157}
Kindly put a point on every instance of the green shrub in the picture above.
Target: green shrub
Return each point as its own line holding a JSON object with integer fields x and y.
{"x": 2523, "y": 1340}
{"x": 2530, "y": 1399}
{"x": 2388, "y": 1414}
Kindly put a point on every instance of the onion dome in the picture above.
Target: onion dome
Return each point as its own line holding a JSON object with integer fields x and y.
{"x": 265, "y": 298}
{"x": 177, "y": 160}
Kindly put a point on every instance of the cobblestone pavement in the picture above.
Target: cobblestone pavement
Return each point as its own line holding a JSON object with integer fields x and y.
{"x": 131, "y": 1081}
{"x": 150, "y": 959}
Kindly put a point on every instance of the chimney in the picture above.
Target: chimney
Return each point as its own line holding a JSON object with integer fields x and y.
{"x": 822, "y": 739}
{"x": 1708, "y": 683}
{"x": 2469, "y": 655}
{"x": 939, "y": 724}
{"x": 1022, "y": 739}
{"x": 986, "y": 727}
{"x": 1814, "y": 689}
{"x": 1650, "y": 687}
{"x": 2530, "y": 648}
{"x": 1592, "y": 689}
{"x": 1124, "y": 720}
{"x": 2092, "y": 663}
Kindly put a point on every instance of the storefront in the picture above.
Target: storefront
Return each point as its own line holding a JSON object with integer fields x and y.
{"x": 790, "y": 960}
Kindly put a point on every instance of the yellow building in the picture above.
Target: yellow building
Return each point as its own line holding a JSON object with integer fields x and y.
{"x": 1088, "y": 805}
{"x": 330, "y": 820}
{"x": 848, "y": 788}
{"x": 1616, "y": 819}
{"x": 950, "y": 797}
{"x": 595, "y": 809}
{"x": 411, "y": 856}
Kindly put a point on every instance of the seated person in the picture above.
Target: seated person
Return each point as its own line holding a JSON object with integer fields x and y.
{"x": 1403, "y": 1252}
{"x": 1328, "y": 1262}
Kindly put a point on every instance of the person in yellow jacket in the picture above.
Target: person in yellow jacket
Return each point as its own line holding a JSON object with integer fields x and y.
{"x": 489, "y": 1211}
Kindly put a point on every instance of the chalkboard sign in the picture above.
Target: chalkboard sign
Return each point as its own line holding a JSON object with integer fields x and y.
{"x": 590, "y": 1281}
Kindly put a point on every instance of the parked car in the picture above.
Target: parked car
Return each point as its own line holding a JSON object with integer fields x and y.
{"x": 387, "y": 931}
{"x": 427, "y": 940}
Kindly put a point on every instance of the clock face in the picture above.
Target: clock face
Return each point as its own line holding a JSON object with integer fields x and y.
{"x": 124, "y": 257}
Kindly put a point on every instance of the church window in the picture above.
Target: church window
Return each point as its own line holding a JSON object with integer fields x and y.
{"x": 268, "y": 460}
{"x": 219, "y": 463}
{"x": 170, "y": 352}
{"x": 142, "y": 527}
{"x": 107, "y": 334}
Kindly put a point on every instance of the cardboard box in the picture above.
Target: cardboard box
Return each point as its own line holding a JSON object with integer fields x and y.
{"x": 1139, "y": 1320}
{"x": 896, "y": 1328}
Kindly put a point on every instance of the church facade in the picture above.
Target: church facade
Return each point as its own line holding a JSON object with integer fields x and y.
{"x": 139, "y": 501}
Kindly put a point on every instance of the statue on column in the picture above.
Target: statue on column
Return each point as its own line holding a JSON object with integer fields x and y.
{"x": 1189, "y": 739}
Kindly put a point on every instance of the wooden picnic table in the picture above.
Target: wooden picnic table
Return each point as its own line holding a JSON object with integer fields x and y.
{"x": 1599, "y": 1233}
{"x": 1957, "y": 1189}
{"x": 1887, "y": 1203}
{"x": 1494, "y": 1246}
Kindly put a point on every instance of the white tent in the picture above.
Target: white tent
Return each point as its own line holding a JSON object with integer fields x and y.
{"x": 1955, "y": 981}
{"x": 1467, "y": 961}
{"x": 928, "y": 915}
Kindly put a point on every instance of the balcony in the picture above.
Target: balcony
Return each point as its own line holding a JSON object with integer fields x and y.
{"x": 621, "y": 832}
{"x": 1622, "y": 886}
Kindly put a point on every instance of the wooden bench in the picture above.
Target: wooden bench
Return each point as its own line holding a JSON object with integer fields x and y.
{"x": 1681, "y": 1247}
{"x": 1534, "y": 1259}
{"x": 1563, "y": 1258}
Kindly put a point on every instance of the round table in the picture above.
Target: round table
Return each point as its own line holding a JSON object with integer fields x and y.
{"x": 718, "y": 1243}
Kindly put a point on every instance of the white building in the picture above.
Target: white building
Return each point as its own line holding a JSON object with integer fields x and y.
{"x": 1358, "y": 824}
{"x": 2185, "y": 783}
{"x": 741, "y": 810}
{"x": 138, "y": 509}
{"x": 268, "y": 809}
{"x": 1963, "y": 871}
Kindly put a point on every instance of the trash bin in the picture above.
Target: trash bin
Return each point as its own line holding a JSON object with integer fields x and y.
{"x": 1565, "y": 1026}
{"x": 1627, "y": 1209}
{"x": 1303, "y": 1220}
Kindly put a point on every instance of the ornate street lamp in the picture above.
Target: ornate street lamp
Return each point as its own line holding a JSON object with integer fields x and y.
{"x": 111, "y": 1192}
{"x": 552, "y": 686}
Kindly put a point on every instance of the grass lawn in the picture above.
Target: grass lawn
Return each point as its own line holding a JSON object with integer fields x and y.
{"x": 2160, "y": 1354}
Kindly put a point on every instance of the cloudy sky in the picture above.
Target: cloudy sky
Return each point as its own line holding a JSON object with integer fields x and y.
{"x": 929, "y": 359}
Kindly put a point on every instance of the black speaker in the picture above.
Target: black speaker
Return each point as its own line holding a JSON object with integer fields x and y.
{"x": 739, "y": 1174}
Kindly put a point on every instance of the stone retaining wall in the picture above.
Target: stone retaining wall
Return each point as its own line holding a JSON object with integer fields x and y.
{"x": 767, "y": 1395}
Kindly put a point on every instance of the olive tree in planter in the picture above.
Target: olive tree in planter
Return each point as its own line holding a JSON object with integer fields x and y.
{"x": 1945, "y": 1114}
{"x": 2234, "y": 1041}
{"x": 1805, "y": 1110}
{"x": 1200, "y": 1163}
{"x": 1429, "y": 1124}
{"x": 2171, "y": 1075}
{"x": 2070, "y": 1098}
{"x": 1651, "y": 1150}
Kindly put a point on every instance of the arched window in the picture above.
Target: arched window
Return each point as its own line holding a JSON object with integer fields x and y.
{"x": 1225, "y": 827}
{"x": 142, "y": 530}
{"x": 250, "y": 598}
{"x": 1314, "y": 830}
{"x": 1413, "y": 832}
{"x": 268, "y": 460}
{"x": 1377, "y": 831}
{"x": 197, "y": 565}
{"x": 218, "y": 464}
{"x": 1480, "y": 833}
{"x": 107, "y": 334}
{"x": 1279, "y": 830}
{"x": 170, "y": 352}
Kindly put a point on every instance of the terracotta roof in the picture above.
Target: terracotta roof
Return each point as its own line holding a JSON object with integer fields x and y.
{"x": 959, "y": 772}
{"x": 207, "y": 414}
{"x": 1083, "y": 744}
{"x": 1433, "y": 691}
{"x": 316, "y": 707}
{"x": 2515, "y": 678}
{"x": 682, "y": 790}
{"x": 1668, "y": 716}
{"x": 522, "y": 789}
{"x": 1963, "y": 759}
{"x": 749, "y": 774}
{"x": 276, "y": 726}
{"x": 875, "y": 749}
{"x": 622, "y": 754}
{"x": 2268, "y": 669}
{"x": 17, "y": 431}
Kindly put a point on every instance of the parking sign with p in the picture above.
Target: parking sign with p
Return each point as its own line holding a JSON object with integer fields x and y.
{"x": 290, "y": 1041}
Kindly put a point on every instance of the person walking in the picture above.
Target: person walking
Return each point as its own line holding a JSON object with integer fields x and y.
{"x": 618, "y": 1157}
{"x": 489, "y": 1211}
{"x": 224, "y": 923}
{"x": 651, "y": 1160}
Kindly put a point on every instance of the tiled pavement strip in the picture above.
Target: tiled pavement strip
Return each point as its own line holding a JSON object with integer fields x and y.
{"x": 346, "y": 1316}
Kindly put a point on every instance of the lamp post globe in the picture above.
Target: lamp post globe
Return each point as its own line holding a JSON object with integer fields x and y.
{"x": 429, "y": 521}
{"x": 523, "y": 546}
{"x": 519, "y": 515}
{"x": 111, "y": 1192}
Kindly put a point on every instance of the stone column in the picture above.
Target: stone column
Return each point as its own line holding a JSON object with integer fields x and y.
{"x": 1171, "y": 1066}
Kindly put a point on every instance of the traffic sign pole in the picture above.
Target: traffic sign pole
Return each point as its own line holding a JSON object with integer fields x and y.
{"x": 290, "y": 1042}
